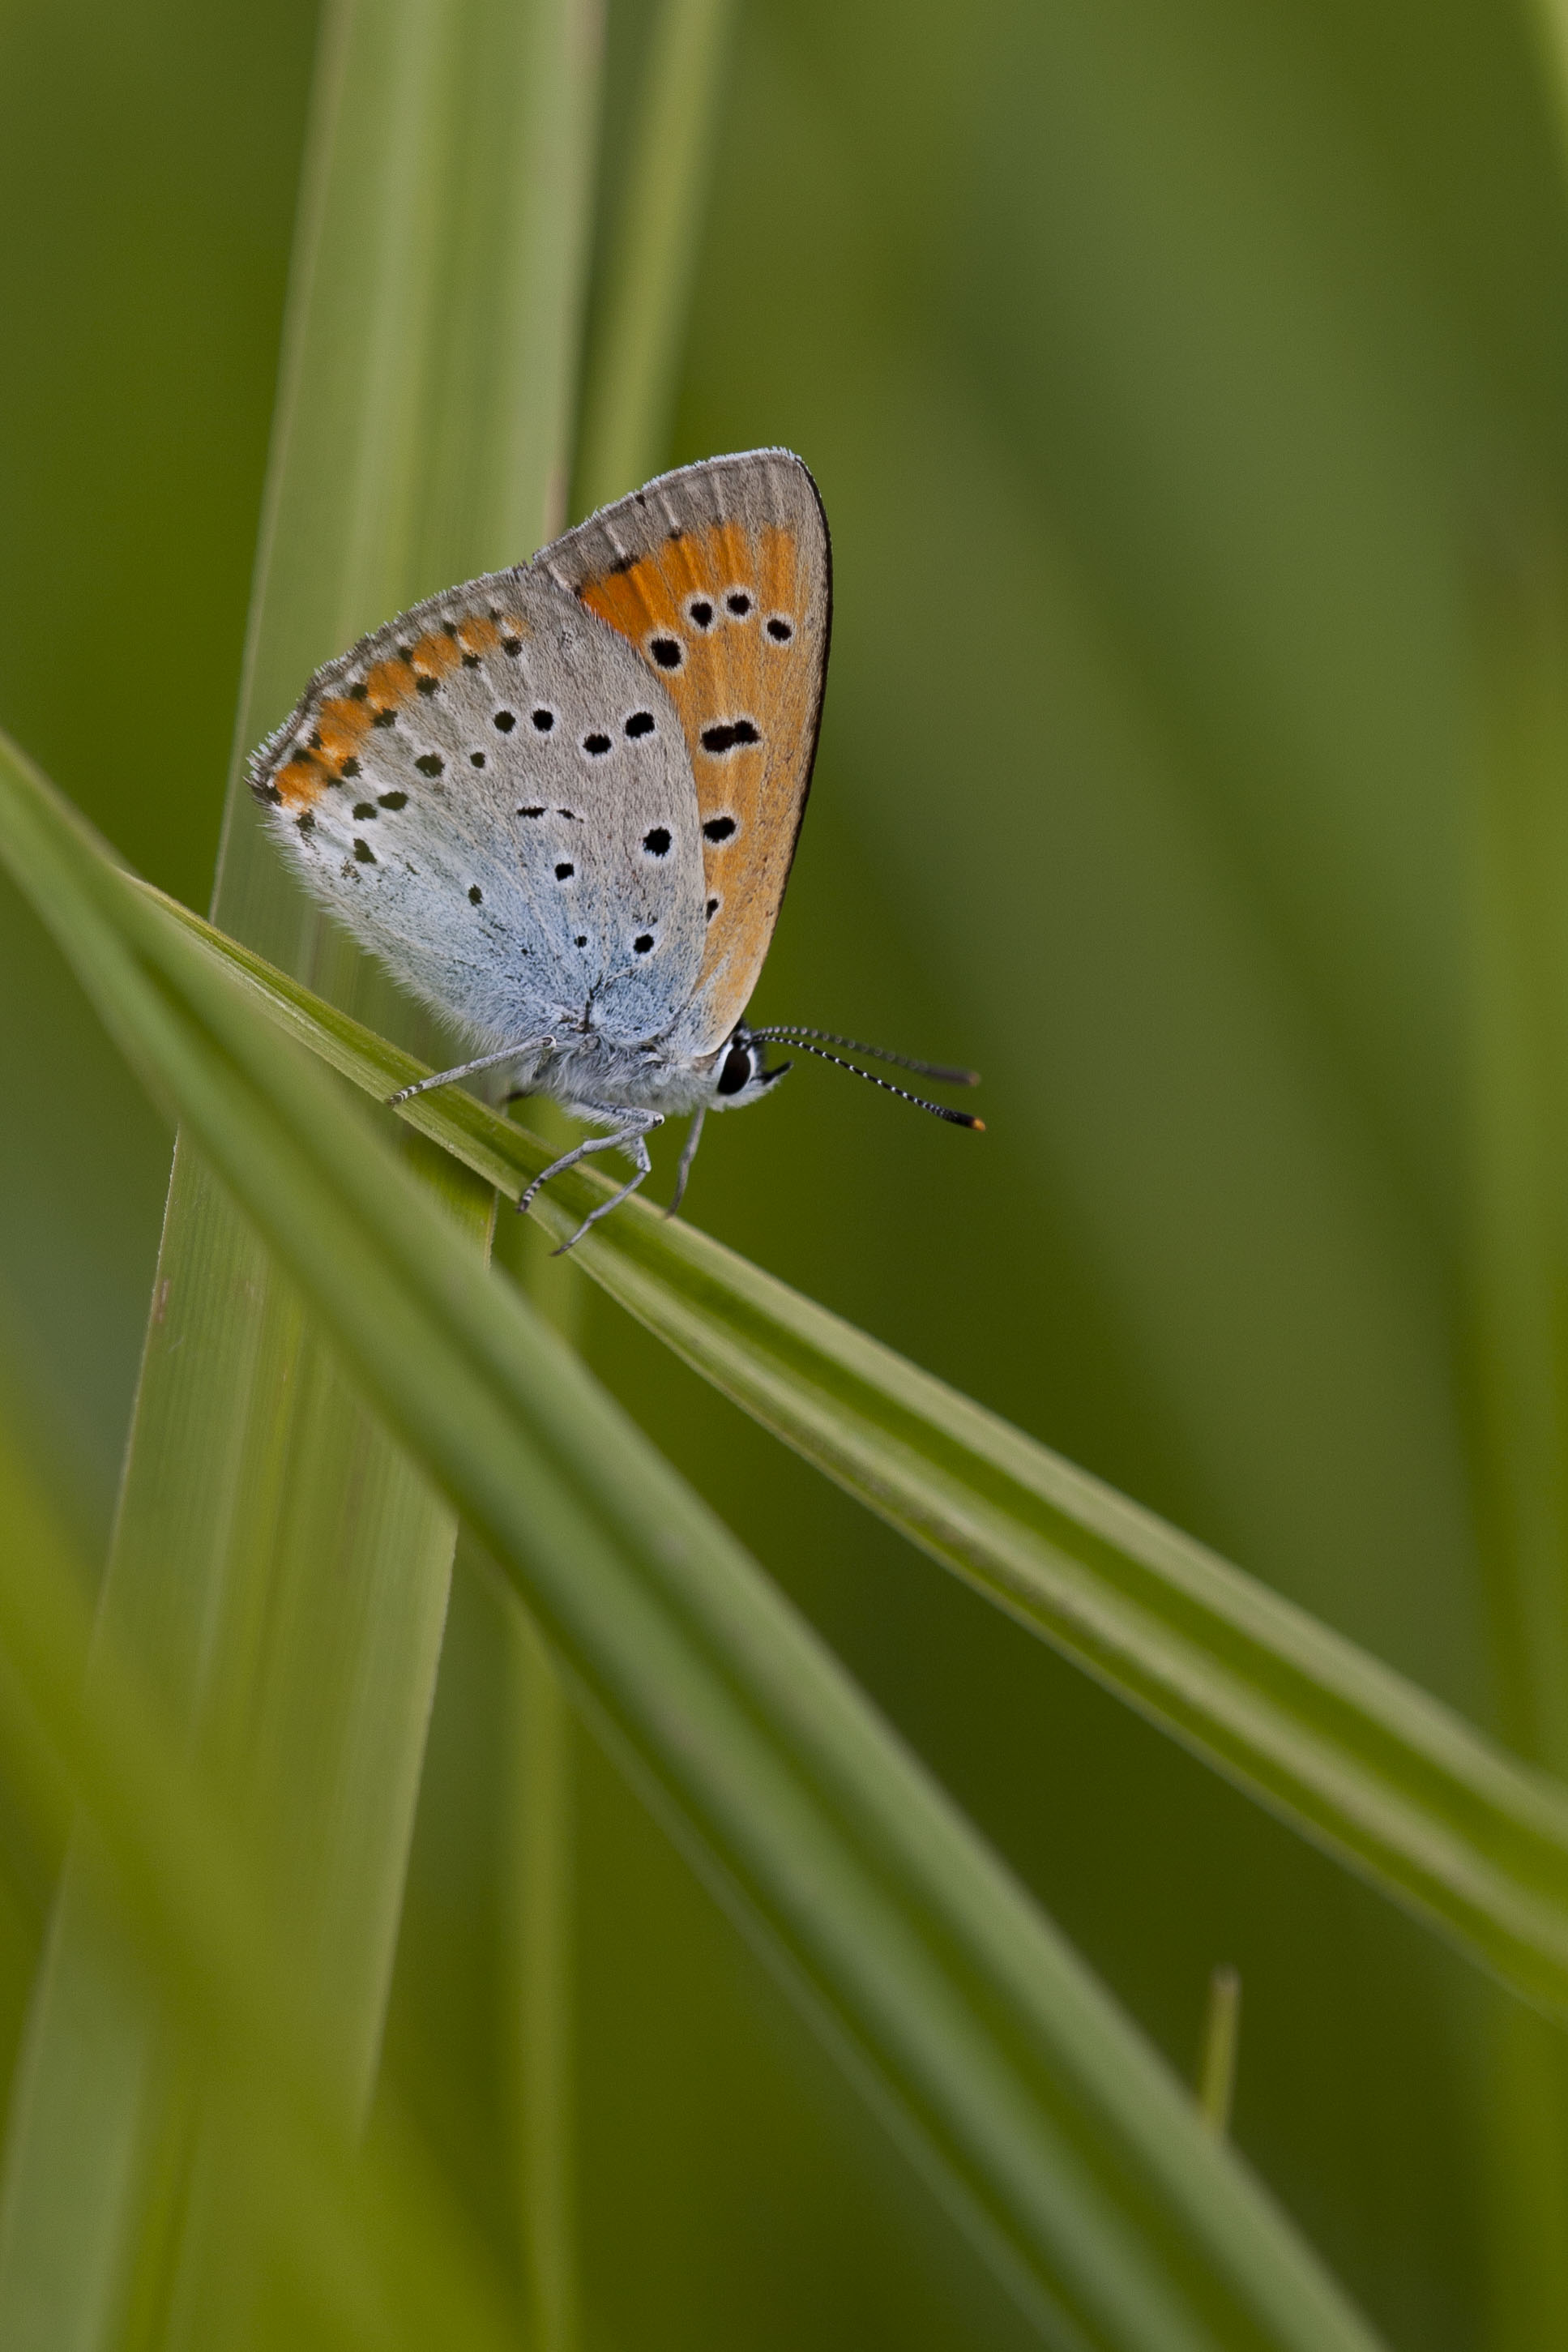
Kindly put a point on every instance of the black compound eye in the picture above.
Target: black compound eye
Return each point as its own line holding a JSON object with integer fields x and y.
{"x": 736, "y": 1070}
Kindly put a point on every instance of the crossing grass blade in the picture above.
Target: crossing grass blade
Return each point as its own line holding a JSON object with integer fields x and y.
{"x": 367, "y": 2245}
{"x": 1347, "y": 1751}
{"x": 1079, "y": 2164}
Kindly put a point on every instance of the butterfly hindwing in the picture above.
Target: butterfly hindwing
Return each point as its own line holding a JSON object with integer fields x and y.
{"x": 719, "y": 575}
{"x": 496, "y": 797}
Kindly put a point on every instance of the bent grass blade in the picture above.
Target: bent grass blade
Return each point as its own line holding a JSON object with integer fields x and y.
{"x": 1078, "y": 2163}
{"x": 1336, "y": 1744}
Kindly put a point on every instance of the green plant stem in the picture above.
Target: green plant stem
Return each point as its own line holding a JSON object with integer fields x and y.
{"x": 540, "y": 1892}
{"x": 1518, "y": 1359}
{"x": 1216, "y": 2059}
{"x": 280, "y": 1566}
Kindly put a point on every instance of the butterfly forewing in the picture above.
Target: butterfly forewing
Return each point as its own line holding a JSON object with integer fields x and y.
{"x": 719, "y": 575}
{"x": 495, "y": 796}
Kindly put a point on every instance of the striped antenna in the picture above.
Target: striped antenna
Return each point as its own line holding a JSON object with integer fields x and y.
{"x": 937, "y": 1070}
{"x": 937, "y": 1110}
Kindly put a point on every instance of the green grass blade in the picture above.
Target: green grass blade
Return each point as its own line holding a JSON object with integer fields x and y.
{"x": 632, "y": 387}
{"x": 1081, "y": 2166}
{"x": 280, "y": 1565}
{"x": 1337, "y": 1744}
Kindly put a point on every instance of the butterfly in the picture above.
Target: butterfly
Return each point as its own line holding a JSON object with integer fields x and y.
{"x": 560, "y": 803}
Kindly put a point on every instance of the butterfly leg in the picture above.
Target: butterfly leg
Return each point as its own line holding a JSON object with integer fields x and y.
{"x": 627, "y": 1137}
{"x": 466, "y": 1069}
{"x": 688, "y": 1153}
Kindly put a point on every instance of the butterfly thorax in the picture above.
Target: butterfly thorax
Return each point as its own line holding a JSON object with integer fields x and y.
{"x": 584, "y": 1070}
{"x": 589, "y": 1069}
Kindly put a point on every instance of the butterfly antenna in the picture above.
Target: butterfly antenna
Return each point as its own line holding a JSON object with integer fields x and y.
{"x": 937, "y": 1110}
{"x": 937, "y": 1070}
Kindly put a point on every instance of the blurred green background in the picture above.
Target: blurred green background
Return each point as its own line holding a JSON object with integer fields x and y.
{"x": 1173, "y": 374}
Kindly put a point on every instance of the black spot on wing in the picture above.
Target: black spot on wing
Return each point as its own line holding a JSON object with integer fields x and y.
{"x": 728, "y": 736}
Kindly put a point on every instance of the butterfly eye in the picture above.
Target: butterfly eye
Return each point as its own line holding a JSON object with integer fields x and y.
{"x": 736, "y": 1070}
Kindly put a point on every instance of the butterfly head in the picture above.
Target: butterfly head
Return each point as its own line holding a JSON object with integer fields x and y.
{"x": 739, "y": 1073}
